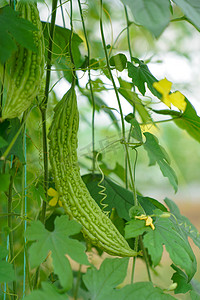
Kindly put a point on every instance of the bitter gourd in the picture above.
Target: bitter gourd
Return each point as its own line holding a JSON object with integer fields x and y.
{"x": 73, "y": 193}
{"x": 24, "y": 70}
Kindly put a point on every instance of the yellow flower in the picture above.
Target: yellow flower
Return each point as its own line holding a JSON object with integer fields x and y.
{"x": 53, "y": 193}
{"x": 148, "y": 219}
{"x": 177, "y": 99}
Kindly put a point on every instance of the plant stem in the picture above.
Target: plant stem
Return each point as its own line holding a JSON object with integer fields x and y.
{"x": 10, "y": 226}
{"x": 77, "y": 283}
{"x": 43, "y": 108}
{"x": 145, "y": 258}
{"x": 91, "y": 89}
{"x": 134, "y": 259}
{"x": 74, "y": 77}
{"x": 128, "y": 33}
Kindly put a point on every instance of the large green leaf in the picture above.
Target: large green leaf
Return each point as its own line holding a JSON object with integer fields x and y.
{"x": 188, "y": 120}
{"x": 14, "y": 30}
{"x": 176, "y": 244}
{"x": 141, "y": 74}
{"x": 6, "y": 269}
{"x": 157, "y": 154}
{"x": 61, "y": 54}
{"x": 59, "y": 243}
{"x": 48, "y": 292}
{"x": 101, "y": 282}
{"x": 186, "y": 226}
{"x": 117, "y": 196}
{"x": 141, "y": 291}
{"x": 191, "y": 9}
{"x": 152, "y": 14}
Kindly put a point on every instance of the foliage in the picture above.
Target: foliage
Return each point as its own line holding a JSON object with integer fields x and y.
{"x": 48, "y": 256}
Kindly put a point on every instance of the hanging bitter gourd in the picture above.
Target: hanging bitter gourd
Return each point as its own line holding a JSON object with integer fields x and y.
{"x": 73, "y": 193}
{"x": 24, "y": 70}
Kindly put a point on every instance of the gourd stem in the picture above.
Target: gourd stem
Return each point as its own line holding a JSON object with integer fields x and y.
{"x": 128, "y": 33}
{"x": 2, "y": 84}
{"x": 43, "y": 108}
{"x": 77, "y": 283}
{"x": 130, "y": 53}
{"x": 74, "y": 77}
{"x": 91, "y": 89}
{"x": 10, "y": 225}
{"x": 49, "y": 54}
{"x": 109, "y": 71}
{"x": 145, "y": 258}
{"x": 134, "y": 259}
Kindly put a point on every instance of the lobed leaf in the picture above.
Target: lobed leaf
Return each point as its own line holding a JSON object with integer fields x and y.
{"x": 175, "y": 242}
{"x": 59, "y": 243}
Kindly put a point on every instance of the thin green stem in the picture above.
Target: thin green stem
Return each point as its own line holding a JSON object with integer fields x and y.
{"x": 77, "y": 283}
{"x": 2, "y": 87}
{"x": 109, "y": 70}
{"x": 63, "y": 18}
{"x": 134, "y": 259}
{"x": 91, "y": 89}
{"x": 128, "y": 33}
{"x": 49, "y": 54}
{"x": 74, "y": 77}
{"x": 43, "y": 108}
{"x": 10, "y": 225}
{"x": 146, "y": 258}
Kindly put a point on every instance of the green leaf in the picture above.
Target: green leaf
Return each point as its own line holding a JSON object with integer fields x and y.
{"x": 182, "y": 281}
{"x": 117, "y": 196}
{"x": 141, "y": 291}
{"x": 187, "y": 227}
{"x": 157, "y": 154}
{"x": 6, "y": 269}
{"x": 189, "y": 120}
{"x": 191, "y": 9}
{"x": 8, "y": 130}
{"x": 135, "y": 228}
{"x": 59, "y": 243}
{"x": 61, "y": 55}
{"x": 152, "y": 14}
{"x": 47, "y": 292}
{"x": 14, "y": 29}
{"x": 118, "y": 61}
{"x": 141, "y": 74}
{"x": 136, "y": 132}
{"x": 175, "y": 242}
{"x": 4, "y": 182}
{"x": 101, "y": 282}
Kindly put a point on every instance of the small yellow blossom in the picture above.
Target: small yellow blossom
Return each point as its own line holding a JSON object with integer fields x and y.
{"x": 148, "y": 219}
{"x": 53, "y": 193}
{"x": 177, "y": 99}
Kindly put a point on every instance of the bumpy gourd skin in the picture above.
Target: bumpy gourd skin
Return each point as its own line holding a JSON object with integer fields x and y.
{"x": 75, "y": 197}
{"x": 24, "y": 70}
